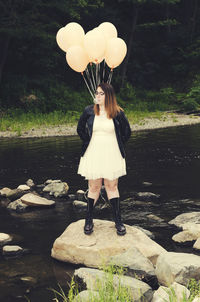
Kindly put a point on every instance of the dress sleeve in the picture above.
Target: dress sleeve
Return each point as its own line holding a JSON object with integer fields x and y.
{"x": 81, "y": 127}
{"x": 125, "y": 127}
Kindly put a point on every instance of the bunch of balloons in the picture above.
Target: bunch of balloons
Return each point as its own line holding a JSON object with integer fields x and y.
{"x": 100, "y": 44}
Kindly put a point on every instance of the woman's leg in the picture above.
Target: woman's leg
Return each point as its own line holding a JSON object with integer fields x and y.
{"x": 94, "y": 188}
{"x": 111, "y": 187}
{"x": 93, "y": 195}
{"x": 112, "y": 191}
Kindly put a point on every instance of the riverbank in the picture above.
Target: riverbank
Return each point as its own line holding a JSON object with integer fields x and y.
{"x": 166, "y": 120}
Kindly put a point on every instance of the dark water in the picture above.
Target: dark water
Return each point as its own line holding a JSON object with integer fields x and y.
{"x": 168, "y": 158}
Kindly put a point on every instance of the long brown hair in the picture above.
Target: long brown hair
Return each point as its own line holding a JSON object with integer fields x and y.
{"x": 111, "y": 106}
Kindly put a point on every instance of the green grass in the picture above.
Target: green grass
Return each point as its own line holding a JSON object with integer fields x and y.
{"x": 18, "y": 122}
{"x": 106, "y": 289}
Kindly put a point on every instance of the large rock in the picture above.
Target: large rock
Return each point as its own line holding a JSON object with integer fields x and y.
{"x": 35, "y": 200}
{"x": 5, "y": 191}
{"x": 23, "y": 187}
{"x": 75, "y": 247}
{"x": 11, "y": 194}
{"x": 94, "y": 278}
{"x": 167, "y": 294}
{"x": 184, "y": 218}
{"x": 178, "y": 267}
{"x": 197, "y": 244}
{"x": 135, "y": 263}
{"x": 191, "y": 232}
{"x": 57, "y": 188}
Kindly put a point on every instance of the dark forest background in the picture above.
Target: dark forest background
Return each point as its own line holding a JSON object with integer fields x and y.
{"x": 162, "y": 63}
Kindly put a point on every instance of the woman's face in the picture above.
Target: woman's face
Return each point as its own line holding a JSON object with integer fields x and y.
{"x": 100, "y": 96}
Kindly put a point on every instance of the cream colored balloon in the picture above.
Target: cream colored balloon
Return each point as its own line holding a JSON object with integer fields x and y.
{"x": 115, "y": 52}
{"x": 95, "y": 45}
{"x": 77, "y": 58}
{"x": 109, "y": 30}
{"x": 61, "y": 39}
{"x": 71, "y": 34}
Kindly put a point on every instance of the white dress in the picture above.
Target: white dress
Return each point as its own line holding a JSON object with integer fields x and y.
{"x": 102, "y": 158}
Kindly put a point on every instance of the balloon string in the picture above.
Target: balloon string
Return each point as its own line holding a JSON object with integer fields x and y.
{"x": 96, "y": 75}
{"x": 104, "y": 64}
{"x": 87, "y": 85}
{"x": 89, "y": 79}
{"x": 99, "y": 73}
{"x": 110, "y": 76}
{"x": 95, "y": 87}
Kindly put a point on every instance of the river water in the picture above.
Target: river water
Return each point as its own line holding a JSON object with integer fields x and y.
{"x": 168, "y": 158}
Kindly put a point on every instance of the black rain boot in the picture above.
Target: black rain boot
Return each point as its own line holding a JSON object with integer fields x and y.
{"x": 121, "y": 230}
{"x": 88, "y": 227}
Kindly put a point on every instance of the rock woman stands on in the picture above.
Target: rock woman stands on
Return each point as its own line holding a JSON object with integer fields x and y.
{"x": 104, "y": 129}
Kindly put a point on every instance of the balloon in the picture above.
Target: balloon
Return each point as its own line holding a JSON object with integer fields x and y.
{"x": 71, "y": 34}
{"x": 115, "y": 52}
{"x": 61, "y": 39}
{"x": 95, "y": 44}
{"x": 77, "y": 58}
{"x": 109, "y": 30}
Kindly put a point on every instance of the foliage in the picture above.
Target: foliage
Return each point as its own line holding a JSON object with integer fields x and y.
{"x": 106, "y": 288}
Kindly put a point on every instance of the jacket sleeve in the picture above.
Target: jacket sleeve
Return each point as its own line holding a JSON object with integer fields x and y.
{"x": 81, "y": 127}
{"x": 125, "y": 127}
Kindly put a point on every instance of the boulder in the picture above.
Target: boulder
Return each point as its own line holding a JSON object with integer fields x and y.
{"x": 191, "y": 232}
{"x": 35, "y": 200}
{"x": 167, "y": 294}
{"x": 23, "y": 187}
{"x": 184, "y": 218}
{"x": 4, "y": 238}
{"x": 75, "y": 247}
{"x": 95, "y": 279}
{"x": 135, "y": 263}
{"x": 177, "y": 267}
{"x": 58, "y": 189}
{"x": 196, "y": 299}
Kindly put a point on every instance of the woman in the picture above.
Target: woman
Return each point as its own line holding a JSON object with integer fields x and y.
{"x": 104, "y": 129}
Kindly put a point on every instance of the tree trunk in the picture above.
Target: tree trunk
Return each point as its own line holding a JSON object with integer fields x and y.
{"x": 193, "y": 21}
{"x": 130, "y": 43}
{"x": 5, "y": 40}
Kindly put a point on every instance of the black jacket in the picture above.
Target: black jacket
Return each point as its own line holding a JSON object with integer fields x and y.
{"x": 85, "y": 127}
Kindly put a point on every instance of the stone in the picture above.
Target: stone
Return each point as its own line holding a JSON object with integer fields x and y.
{"x": 87, "y": 296}
{"x": 154, "y": 217}
{"x": 93, "y": 278}
{"x": 11, "y": 250}
{"x": 197, "y": 244}
{"x": 147, "y": 196}
{"x": 177, "y": 267}
{"x": 196, "y": 299}
{"x": 58, "y": 189}
{"x": 49, "y": 181}
{"x": 80, "y": 195}
{"x": 164, "y": 293}
{"x": 80, "y": 204}
{"x": 184, "y": 236}
{"x": 4, "y": 238}
{"x": 5, "y": 191}
{"x": 35, "y": 200}
{"x": 135, "y": 264}
{"x": 184, "y": 218}
{"x": 17, "y": 206}
{"x": 147, "y": 184}
{"x": 75, "y": 247}
{"x": 30, "y": 183}
{"x": 23, "y": 187}
{"x": 14, "y": 194}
